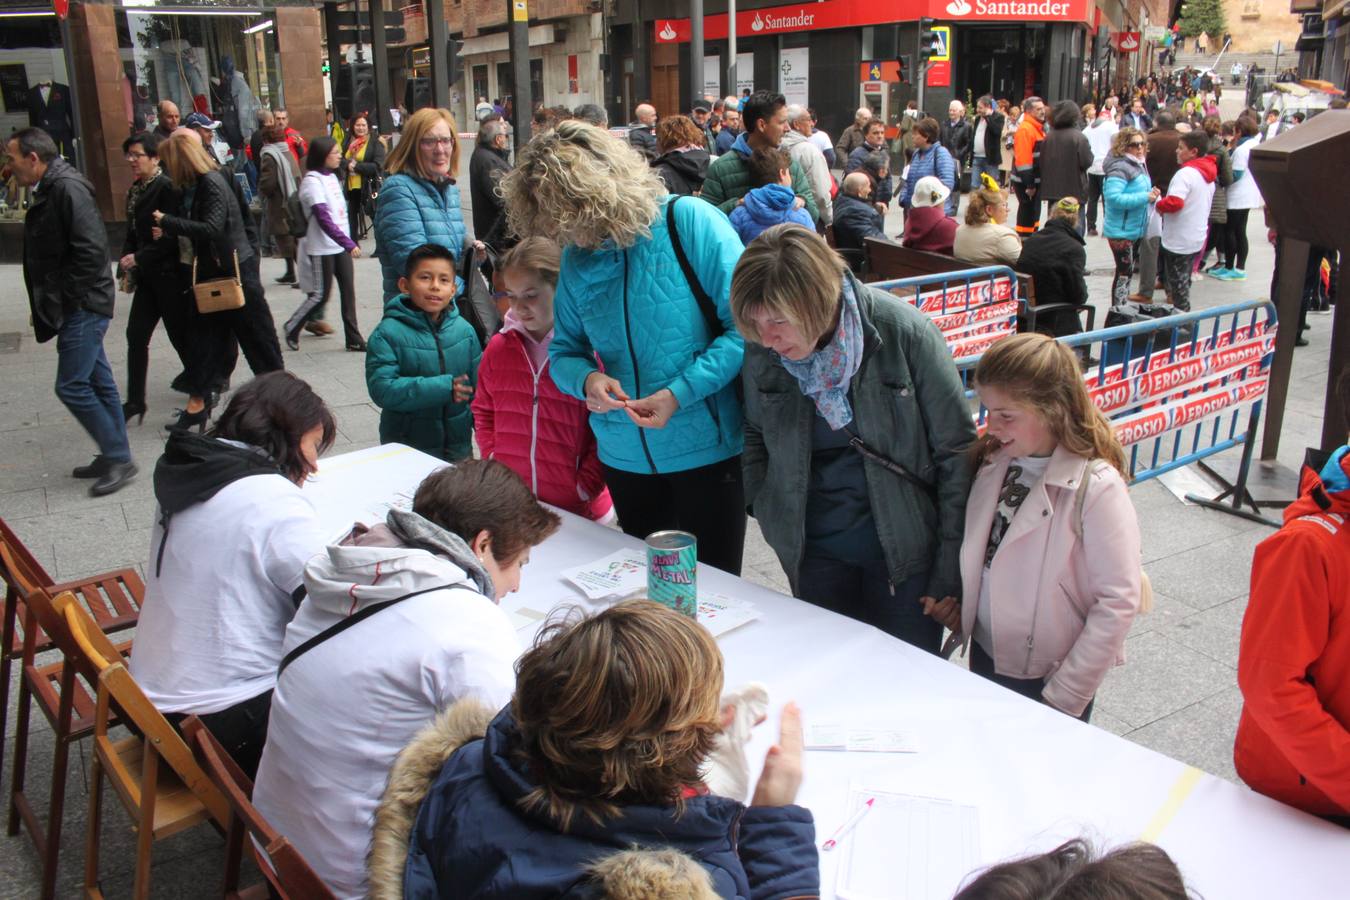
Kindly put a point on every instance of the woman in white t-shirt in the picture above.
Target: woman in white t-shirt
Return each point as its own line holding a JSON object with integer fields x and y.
{"x": 231, "y": 538}
{"x": 363, "y": 675}
{"x": 1243, "y": 196}
{"x": 327, "y": 249}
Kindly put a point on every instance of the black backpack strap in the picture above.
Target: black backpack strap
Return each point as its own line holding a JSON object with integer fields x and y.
{"x": 334, "y": 630}
{"x": 705, "y": 303}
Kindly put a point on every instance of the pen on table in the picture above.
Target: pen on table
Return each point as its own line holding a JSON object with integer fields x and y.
{"x": 849, "y": 824}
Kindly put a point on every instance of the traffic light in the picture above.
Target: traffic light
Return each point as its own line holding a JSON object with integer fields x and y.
{"x": 929, "y": 40}
{"x": 905, "y": 62}
{"x": 326, "y": 68}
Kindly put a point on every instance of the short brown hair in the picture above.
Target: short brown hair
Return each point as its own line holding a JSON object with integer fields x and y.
{"x": 791, "y": 271}
{"x": 674, "y": 132}
{"x": 929, "y": 128}
{"x": 539, "y": 255}
{"x": 273, "y": 412}
{"x": 766, "y": 166}
{"x": 484, "y": 495}
{"x": 618, "y": 708}
{"x": 1137, "y": 871}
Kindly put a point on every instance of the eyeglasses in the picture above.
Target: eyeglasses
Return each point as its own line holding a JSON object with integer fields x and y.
{"x": 1136, "y": 144}
{"x": 132, "y": 157}
{"x": 431, "y": 143}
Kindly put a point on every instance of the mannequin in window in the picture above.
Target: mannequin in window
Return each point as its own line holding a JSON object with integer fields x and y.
{"x": 49, "y": 109}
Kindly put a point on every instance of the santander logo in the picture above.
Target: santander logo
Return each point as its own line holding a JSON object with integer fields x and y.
{"x": 958, "y": 8}
{"x": 1128, "y": 43}
{"x": 758, "y": 24}
{"x": 667, "y": 33}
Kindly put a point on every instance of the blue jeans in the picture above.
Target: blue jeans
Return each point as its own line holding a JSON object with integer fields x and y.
{"x": 863, "y": 592}
{"x": 983, "y": 165}
{"x": 84, "y": 383}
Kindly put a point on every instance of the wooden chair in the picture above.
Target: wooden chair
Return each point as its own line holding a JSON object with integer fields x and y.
{"x": 64, "y": 695}
{"x": 114, "y": 599}
{"x": 287, "y": 872}
{"x": 153, "y": 773}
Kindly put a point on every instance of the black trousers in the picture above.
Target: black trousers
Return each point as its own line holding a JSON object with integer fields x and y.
{"x": 982, "y": 664}
{"x": 1028, "y": 212}
{"x": 251, "y": 326}
{"x": 339, "y": 266}
{"x": 864, "y": 592}
{"x": 708, "y": 502}
{"x": 241, "y": 729}
{"x": 1235, "y": 253}
{"x": 1095, "y": 184}
{"x": 161, "y": 294}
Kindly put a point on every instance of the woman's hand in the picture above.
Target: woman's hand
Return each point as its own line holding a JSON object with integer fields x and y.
{"x": 947, "y": 611}
{"x": 355, "y": 252}
{"x": 604, "y": 394}
{"x": 127, "y": 262}
{"x": 653, "y": 411}
{"x": 463, "y": 390}
{"x": 157, "y": 215}
{"x": 1153, "y": 195}
{"x": 782, "y": 774}
{"x": 156, "y": 232}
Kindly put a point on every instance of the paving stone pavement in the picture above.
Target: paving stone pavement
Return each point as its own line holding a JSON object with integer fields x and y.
{"x": 1176, "y": 694}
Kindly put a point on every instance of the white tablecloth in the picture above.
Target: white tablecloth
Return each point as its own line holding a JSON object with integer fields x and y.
{"x": 1037, "y": 777}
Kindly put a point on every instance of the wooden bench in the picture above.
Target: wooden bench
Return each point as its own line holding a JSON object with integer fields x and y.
{"x": 885, "y": 260}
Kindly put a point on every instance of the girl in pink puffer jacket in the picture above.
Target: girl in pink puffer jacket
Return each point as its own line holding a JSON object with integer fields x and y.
{"x": 1050, "y": 562}
{"x": 520, "y": 417}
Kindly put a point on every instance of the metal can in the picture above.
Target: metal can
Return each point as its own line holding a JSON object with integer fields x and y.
{"x": 672, "y": 571}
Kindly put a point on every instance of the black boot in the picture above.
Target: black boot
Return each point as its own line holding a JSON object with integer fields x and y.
{"x": 289, "y": 277}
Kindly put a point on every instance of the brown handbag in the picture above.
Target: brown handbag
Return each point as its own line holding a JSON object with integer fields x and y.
{"x": 218, "y": 294}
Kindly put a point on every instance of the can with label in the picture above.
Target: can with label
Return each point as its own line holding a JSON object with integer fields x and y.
{"x": 672, "y": 570}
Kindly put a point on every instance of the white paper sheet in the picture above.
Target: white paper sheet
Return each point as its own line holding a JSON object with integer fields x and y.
{"x": 617, "y": 575}
{"x": 907, "y": 848}
{"x": 719, "y": 613}
{"x": 825, "y": 736}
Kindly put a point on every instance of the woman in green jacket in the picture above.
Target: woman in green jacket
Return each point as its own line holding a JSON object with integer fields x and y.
{"x": 856, "y": 429}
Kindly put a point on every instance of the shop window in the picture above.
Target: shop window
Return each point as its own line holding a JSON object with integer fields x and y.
{"x": 227, "y": 67}
{"x": 32, "y": 68}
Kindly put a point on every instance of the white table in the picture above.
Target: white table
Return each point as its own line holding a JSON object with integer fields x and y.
{"x": 1037, "y": 776}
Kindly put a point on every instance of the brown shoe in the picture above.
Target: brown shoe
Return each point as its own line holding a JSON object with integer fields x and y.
{"x": 318, "y": 326}
{"x": 1139, "y": 298}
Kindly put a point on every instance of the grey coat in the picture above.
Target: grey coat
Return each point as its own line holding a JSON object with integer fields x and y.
{"x": 908, "y": 404}
{"x": 1065, "y": 158}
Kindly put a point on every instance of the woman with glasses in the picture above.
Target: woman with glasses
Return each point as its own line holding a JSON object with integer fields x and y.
{"x": 985, "y": 239}
{"x": 151, "y": 269}
{"x": 1128, "y": 192}
{"x": 419, "y": 202}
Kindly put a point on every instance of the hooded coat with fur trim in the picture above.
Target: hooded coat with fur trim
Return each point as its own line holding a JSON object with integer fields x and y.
{"x": 451, "y": 825}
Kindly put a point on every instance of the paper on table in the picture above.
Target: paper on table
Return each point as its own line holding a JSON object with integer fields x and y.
{"x": 376, "y": 514}
{"x": 719, "y": 613}
{"x": 911, "y": 847}
{"x": 859, "y": 740}
{"x": 617, "y": 575}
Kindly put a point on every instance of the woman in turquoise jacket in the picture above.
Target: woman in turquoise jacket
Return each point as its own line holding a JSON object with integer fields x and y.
{"x": 656, "y": 365}
{"x": 419, "y": 202}
{"x": 1128, "y": 192}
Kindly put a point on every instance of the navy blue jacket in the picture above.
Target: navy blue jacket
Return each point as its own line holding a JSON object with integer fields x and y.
{"x": 472, "y": 839}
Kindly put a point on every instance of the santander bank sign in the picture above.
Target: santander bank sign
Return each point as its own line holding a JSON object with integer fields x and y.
{"x": 854, "y": 13}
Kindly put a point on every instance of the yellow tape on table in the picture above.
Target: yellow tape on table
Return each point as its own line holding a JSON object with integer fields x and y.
{"x": 1181, "y": 789}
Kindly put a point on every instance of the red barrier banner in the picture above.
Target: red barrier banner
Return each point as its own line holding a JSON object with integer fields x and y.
{"x": 979, "y": 317}
{"x": 1189, "y": 371}
{"x": 1159, "y": 420}
{"x": 959, "y": 297}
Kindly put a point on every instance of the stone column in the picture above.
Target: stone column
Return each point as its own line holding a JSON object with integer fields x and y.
{"x": 300, "y": 42}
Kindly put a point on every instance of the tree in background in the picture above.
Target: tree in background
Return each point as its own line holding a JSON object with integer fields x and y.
{"x": 1202, "y": 17}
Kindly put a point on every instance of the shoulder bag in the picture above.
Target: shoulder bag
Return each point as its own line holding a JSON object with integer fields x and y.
{"x": 218, "y": 294}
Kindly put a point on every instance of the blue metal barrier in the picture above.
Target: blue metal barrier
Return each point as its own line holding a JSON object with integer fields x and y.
{"x": 1182, "y": 388}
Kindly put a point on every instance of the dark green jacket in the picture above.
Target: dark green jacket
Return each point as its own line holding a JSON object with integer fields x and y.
{"x": 411, "y": 365}
{"x": 908, "y": 404}
{"x": 729, "y": 180}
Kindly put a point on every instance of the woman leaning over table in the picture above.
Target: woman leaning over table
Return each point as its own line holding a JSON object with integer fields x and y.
{"x": 419, "y": 202}
{"x": 662, "y": 398}
{"x": 232, "y": 534}
{"x": 871, "y": 530}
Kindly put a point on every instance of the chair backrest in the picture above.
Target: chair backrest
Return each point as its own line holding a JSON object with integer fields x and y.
{"x": 91, "y": 640}
{"x": 140, "y": 713}
{"x": 20, "y": 571}
{"x": 285, "y": 868}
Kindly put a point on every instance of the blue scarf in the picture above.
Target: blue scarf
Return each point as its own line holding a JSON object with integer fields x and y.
{"x": 824, "y": 376}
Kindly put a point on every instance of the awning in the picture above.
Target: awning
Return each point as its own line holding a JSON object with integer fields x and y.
{"x": 1309, "y": 42}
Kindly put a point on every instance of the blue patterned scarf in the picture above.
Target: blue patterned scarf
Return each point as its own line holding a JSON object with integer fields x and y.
{"x": 824, "y": 376}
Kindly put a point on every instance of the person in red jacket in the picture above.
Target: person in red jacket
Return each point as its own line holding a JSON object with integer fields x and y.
{"x": 1293, "y": 740}
{"x": 520, "y": 417}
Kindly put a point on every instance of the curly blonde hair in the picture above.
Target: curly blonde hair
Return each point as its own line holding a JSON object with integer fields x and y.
{"x": 1041, "y": 373}
{"x": 582, "y": 186}
{"x": 1120, "y": 144}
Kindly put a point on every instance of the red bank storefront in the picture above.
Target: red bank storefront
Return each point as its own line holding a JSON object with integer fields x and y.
{"x": 837, "y": 54}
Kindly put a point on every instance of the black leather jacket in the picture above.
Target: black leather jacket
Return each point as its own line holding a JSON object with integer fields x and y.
{"x": 215, "y": 223}
{"x": 486, "y": 168}
{"x": 153, "y": 256}
{"x": 957, "y": 139}
{"x": 65, "y": 251}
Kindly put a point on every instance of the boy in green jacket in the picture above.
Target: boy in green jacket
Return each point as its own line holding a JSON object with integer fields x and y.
{"x": 422, "y": 360}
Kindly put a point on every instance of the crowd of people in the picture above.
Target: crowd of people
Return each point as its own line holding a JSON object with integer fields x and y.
{"x": 680, "y": 348}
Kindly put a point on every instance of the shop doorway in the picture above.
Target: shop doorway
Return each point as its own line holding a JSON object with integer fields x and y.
{"x": 1002, "y": 61}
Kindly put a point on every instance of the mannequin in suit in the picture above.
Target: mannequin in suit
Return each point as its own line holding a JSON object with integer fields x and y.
{"x": 49, "y": 108}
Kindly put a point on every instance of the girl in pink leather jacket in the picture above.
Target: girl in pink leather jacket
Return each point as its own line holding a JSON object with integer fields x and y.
{"x": 1050, "y": 564}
